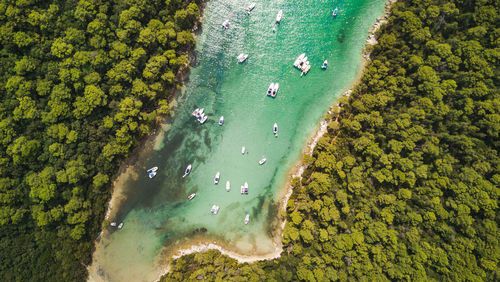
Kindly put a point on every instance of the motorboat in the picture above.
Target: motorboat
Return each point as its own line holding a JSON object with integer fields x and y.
{"x": 113, "y": 224}
{"x": 279, "y": 16}
{"x": 242, "y": 57}
{"x": 221, "y": 120}
{"x": 306, "y": 69}
{"x": 250, "y": 8}
{"x": 335, "y": 12}
{"x": 217, "y": 178}
{"x": 226, "y": 24}
{"x": 324, "y": 65}
{"x": 228, "y": 186}
{"x": 196, "y": 112}
{"x": 243, "y": 149}
{"x": 275, "y": 89}
{"x": 299, "y": 60}
{"x": 187, "y": 172}
{"x": 155, "y": 168}
{"x": 203, "y": 119}
{"x": 214, "y": 209}
{"x": 120, "y": 225}
{"x": 270, "y": 89}
{"x": 190, "y": 197}
{"x": 152, "y": 174}
{"x": 275, "y": 129}
{"x": 262, "y": 161}
{"x": 247, "y": 218}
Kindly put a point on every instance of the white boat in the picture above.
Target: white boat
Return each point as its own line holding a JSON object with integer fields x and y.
{"x": 275, "y": 129}
{"x": 217, "y": 178}
{"x": 152, "y": 174}
{"x": 299, "y": 59}
{"x": 243, "y": 149}
{"x": 324, "y": 65}
{"x": 196, "y": 112}
{"x": 270, "y": 89}
{"x": 261, "y": 162}
{"x": 214, "y": 209}
{"x": 275, "y": 89}
{"x": 201, "y": 111}
{"x": 221, "y": 120}
{"x": 190, "y": 197}
{"x": 306, "y": 69}
{"x": 152, "y": 169}
{"x": 247, "y": 218}
{"x": 203, "y": 119}
{"x": 242, "y": 57}
{"x": 228, "y": 186}
{"x": 279, "y": 16}
{"x": 226, "y": 24}
{"x": 250, "y": 8}
{"x": 113, "y": 224}
{"x": 244, "y": 189}
{"x": 335, "y": 12}
{"x": 120, "y": 225}
{"x": 187, "y": 172}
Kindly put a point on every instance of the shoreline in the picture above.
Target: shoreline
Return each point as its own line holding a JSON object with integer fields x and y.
{"x": 297, "y": 168}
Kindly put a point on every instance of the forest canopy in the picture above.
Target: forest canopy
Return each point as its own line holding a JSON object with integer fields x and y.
{"x": 81, "y": 83}
{"x": 405, "y": 183}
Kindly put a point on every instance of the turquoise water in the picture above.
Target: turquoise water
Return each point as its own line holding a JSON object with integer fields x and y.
{"x": 157, "y": 216}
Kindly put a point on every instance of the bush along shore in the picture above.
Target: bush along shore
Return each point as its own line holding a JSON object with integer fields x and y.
{"x": 405, "y": 183}
{"x": 82, "y": 83}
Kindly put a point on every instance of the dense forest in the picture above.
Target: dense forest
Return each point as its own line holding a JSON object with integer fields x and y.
{"x": 405, "y": 184}
{"x": 81, "y": 83}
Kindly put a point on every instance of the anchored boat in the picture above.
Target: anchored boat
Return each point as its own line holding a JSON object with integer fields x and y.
{"x": 243, "y": 150}
{"x": 226, "y": 24}
{"x": 242, "y": 57}
{"x": 152, "y": 172}
{"x": 228, "y": 186}
{"x": 335, "y": 12}
{"x": 190, "y": 197}
{"x": 270, "y": 89}
{"x": 262, "y": 161}
{"x": 247, "y": 218}
{"x": 324, "y": 65}
{"x": 187, "y": 171}
{"x": 279, "y": 16}
{"x": 120, "y": 225}
{"x": 275, "y": 89}
{"x": 221, "y": 120}
{"x": 217, "y": 178}
{"x": 275, "y": 129}
{"x": 214, "y": 209}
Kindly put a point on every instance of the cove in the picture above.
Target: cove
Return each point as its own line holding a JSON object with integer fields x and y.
{"x": 158, "y": 219}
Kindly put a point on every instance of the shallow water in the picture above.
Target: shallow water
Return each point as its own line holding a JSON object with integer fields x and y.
{"x": 157, "y": 216}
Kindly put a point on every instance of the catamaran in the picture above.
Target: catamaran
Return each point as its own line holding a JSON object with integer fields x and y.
{"x": 190, "y": 197}
{"x": 228, "y": 186}
{"x": 221, "y": 120}
{"x": 275, "y": 129}
{"x": 279, "y": 16}
{"x": 217, "y": 178}
{"x": 214, "y": 209}
{"x": 187, "y": 172}
{"x": 247, "y": 218}
{"x": 275, "y": 89}
{"x": 250, "y": 8}
{"x": 324, "y": 65}
{"x": 242, "y": 57}
{"x": 270, "y": 89}
{"x": 262, "y": 161}
{"x": 226, "y": 24}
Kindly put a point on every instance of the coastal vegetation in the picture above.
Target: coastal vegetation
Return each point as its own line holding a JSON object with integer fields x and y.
{"x": 81, "y": 83}
{"x": 405, "y": 183}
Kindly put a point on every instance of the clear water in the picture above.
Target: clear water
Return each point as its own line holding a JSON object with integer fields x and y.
{"x": 157, "y": 216}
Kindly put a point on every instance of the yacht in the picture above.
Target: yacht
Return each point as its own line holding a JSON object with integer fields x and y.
{"x": 279, "y": 16}
{"x": 214, "y": 209}
{"x": 270, "y": 89}
{"x": 247, "y": 218}
{"x": 324, "y": 65}
{"x": 228, "y": 186}
{"x": 120, "y": 225}
{"x": 190, "y": 197}
{"x": 250, "y": 8}
{"x": 275, "y": 89}
{"x": 217, "y": 178}
{"x": 187, "y": 172}
{"x": 335, "y": 12}
{"x": 226, "y": 24}
{"x": 203, "y": 119}
{"x": 243, "y": 149}
{"x": 261, "y": 162}
{"x": 275, "y": 129}
{"x": 299, "y": 60}
{"x": 221, "y": 120}
{"x": 242, "y": 57}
